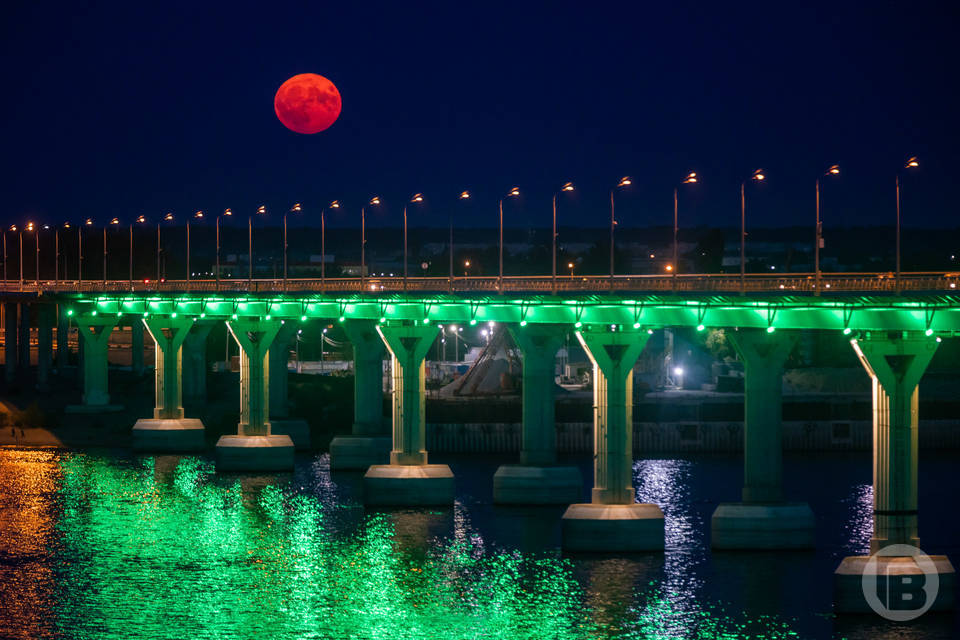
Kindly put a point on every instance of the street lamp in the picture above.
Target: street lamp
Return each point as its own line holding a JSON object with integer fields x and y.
{"x": 166, "y": 218}
{"x": 757, "y": 176}
{"x": 690, "y": 179}
{"x": 56, "y": 270}
{"x": 570, "y": 266}
{"x": 375, "y": 201}
{"x": 323, "y": 245}
{"x": 226, "y": 213}
{"x": 566, "y": 187}
{"x": 198, "y": 216}
{"x": 464, "y": 195}
{"x": 832, "y": 171}
{"x": 13, "y": 227}
{"x": 625, "y": 181}
{"x": 262, "y": 209}
{"x": 113, "y": 221}
{"x": 466, "y": 268}
{"x": 86, "y": 223}
{"x": 513, "y": 193}
{"x": 910, "y": 164}
{"x": 417, "y": 197}
{"x": 294, "y": 209}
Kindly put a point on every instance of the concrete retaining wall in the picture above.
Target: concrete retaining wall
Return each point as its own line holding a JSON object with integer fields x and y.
{"x": 577, "y": 437}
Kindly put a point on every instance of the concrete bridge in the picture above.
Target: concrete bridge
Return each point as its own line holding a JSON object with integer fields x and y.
{"x": 894, "y": 327}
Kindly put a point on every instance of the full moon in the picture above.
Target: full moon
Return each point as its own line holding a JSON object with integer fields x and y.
{"x": 307, "y": 103}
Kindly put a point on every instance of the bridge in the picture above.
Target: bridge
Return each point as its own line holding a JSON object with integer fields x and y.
{"x": 894, "y": 326}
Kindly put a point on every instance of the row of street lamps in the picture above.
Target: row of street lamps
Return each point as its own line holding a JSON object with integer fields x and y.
{"x": 691, "y": 178}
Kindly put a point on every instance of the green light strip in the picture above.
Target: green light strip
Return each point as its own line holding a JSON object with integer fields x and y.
{"x": 937, "y": 313}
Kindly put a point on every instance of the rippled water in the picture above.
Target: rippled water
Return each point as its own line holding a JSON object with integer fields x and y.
{"x": 105, "y": 545}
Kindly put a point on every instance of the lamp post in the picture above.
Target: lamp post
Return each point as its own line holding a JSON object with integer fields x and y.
{"x": 832, "y": 171}
{"x": 141, "y": 219}
{"x": 375, "y": 201}
{"x": 759, "y": 177}
{"x": 323, "y": 247}
{"x": 465, "y": 195}
{"x": 690, "y": 179}
{"x": 86, "y": 223}
{"x": 417, "y": 197}
{"x": 168, "y": 218}
{"x": 513, "y": 193}
{"x": 263, "y": 210}
{"x": 20, "y": 238}
{"x": 295, "y": 209}
{"x": 624, "y": 182}
{"x": 113, "y": 221}
{"x": 226, "y": 213}
{"x": 36, "y": 239}
{"x": 910, "y": 164}
{"x": 13, "y": 227}
{"x": 199, "y": 216}
{"x": 566, "y": 187}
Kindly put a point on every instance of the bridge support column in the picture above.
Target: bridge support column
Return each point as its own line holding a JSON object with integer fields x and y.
{"x": 23, "y": 339}
{"x": 63, "y": 339}
{"x": 895, "y": 362}
{"x": 44, "y": 345}
{"x": 94, "y": 334}
{"x": 612, "y": 520}
{"x": 168, "y": 430}
{"x": 408, "y": 479}
{"x": 10, "y": 341}
{"x": 194, "y": 362}
{"x": 538, "y": 479}
{"x": 254, "y": 448}
{"x": 280, "y": 421}
{"x": 136, "y": 348}
{"x": 369, "y": 441}
{"x": 762, "y": 520}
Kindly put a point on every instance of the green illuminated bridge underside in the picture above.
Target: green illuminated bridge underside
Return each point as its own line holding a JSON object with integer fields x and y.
{"x": 930, "y": 312}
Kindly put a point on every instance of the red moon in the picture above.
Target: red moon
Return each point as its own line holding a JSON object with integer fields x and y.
{"x": 307, "y": 103}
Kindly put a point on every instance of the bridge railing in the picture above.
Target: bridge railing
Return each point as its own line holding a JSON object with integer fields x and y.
{"x": 683, "y": 283}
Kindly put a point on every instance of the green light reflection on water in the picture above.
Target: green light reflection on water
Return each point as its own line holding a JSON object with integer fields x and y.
{"x": 149, "y": 551}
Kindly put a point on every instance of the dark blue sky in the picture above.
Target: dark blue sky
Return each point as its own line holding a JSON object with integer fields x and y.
{"x": 120, "y": 109}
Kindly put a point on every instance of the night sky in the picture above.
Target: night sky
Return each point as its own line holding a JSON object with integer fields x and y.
{"x": 120, "y": 110}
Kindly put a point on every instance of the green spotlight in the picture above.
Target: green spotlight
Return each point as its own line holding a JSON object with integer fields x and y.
{"x": 700, "y": 327}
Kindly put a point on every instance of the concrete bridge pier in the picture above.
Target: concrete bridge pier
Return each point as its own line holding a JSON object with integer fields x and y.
{"x": 369, "y": 441}
{"x": 44, "y": 345}
{"x": 63, "y": 339}
{"x": 280, "y": 421}
{"x": 762, "y": 520}
{"x": 538, "y": 479}
{"x": 10, "y": 341}
{"x": 408, "y": 480}
{"x": 612, "y": 521}
{"x": 895, "y": 362}
{"x": 23, "y": 339}
{"x": 194, "y": 362}
{"x": 94, "y": 331}
{"x": 168, "y": 430}
{"x": 254, "y": 448}
{"x": 136, "y": 348}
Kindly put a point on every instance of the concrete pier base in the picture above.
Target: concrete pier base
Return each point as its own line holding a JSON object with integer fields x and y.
{"x": 613, "y": 527}
{"x": 359, "y": 452}
{"x": 408, "y": 485}
{"x": 527, "y": 484}
{"x": 899, "y": 578}
{"x": 298, "y": 430}
{"x": 254, "y": 453}
{"x": 739, "y": 525}
{"x": 168, "y": 435}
